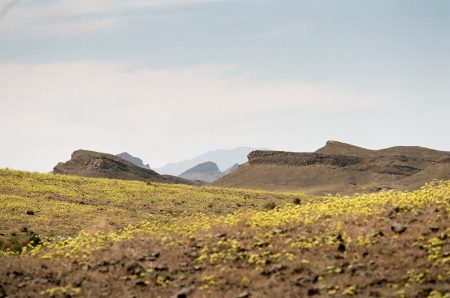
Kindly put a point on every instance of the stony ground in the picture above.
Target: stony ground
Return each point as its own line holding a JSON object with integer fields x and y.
{"x": 382, "y": 245}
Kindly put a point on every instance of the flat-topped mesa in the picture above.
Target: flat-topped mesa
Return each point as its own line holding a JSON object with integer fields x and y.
{"x": 301, "y": 159}
{"x": 341, "y": 168}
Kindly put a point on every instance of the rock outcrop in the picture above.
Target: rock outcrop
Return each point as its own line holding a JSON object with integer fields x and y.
{"x": 102, "y": 165}
{"x": 341, "y": 168}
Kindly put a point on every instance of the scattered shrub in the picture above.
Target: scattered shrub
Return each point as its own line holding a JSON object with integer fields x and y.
{"x": 270, "y": 205}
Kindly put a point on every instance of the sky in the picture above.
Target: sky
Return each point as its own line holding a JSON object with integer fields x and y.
{"x": 166, "y": 80}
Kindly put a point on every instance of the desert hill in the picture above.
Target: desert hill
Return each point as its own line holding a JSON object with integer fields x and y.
{"x": 339, "y": 148}
{"x": 134, "y": 160}
{"x": 102, "y": 165}
{"x": 207, "y": 172}
{"x": 341, "y": 168}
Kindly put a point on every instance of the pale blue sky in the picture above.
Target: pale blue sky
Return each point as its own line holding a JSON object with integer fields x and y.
{"x": 168, "y": 80}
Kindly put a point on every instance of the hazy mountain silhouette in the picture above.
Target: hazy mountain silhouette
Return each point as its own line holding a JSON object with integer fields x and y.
{"x": 134, "y": 160}
{"x": 207, "y": 172}
{"x": 223, "y": 158}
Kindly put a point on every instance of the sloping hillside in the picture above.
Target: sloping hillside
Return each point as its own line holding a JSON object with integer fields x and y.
{"x": 341, "y": 168}
{"x": 231, "y": 169}
{"x": 102, "y": 165}
{"x": 88, "y": 237}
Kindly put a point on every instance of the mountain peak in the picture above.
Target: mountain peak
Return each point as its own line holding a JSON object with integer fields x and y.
{"x": 134, "y": 160}
{"x": 208, "y": 166}
{"x": 339, "y": 148}
{"x": 206, "y": 171}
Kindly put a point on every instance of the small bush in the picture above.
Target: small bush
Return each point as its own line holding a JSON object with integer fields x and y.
{"x": 34, "y": 239}
{"x": 270, "y": 205}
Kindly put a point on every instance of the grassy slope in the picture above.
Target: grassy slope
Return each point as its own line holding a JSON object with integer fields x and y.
{"x": 219, "y": 242}
{"x": 64, "y": 205}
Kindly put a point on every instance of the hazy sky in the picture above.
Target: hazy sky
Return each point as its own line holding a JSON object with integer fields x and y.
{"x": 169, "y": 79}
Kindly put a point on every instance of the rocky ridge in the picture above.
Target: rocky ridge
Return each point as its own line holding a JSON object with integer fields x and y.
{"x": 341, "y": 168}
{"x": 102, "y": 165}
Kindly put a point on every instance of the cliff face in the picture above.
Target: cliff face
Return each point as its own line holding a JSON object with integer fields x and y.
{"x": 341, "y": 168}
{"x": 102, "y": 165}
{"x": 301, "y": 159}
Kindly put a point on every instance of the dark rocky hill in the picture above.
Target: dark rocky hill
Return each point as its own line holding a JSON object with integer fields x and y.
{"x": 341, "y": 168}
{"x": 102, "y": 165}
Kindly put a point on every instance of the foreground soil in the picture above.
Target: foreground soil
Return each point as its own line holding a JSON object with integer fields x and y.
{"x": 389, "y": 244}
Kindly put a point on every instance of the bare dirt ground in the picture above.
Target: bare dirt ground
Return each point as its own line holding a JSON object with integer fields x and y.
{"x": 387, "y": 260}
{"x": 134, "y": 239}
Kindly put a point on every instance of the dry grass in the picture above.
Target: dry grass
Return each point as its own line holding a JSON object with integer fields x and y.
{"x": 389, "y": 244}
{"x": 64, "y": 205}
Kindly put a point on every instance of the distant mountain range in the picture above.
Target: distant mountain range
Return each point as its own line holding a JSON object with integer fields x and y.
{"x": 134, "y": 160}
{"x": 335, "y": 168}
{"x": 207, "y": 172}
{"x": 224, "y": 159}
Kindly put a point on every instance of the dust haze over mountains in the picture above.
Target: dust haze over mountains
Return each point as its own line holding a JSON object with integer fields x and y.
{"x": 207, "y": 172}
{"x": 223, "y": 158}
